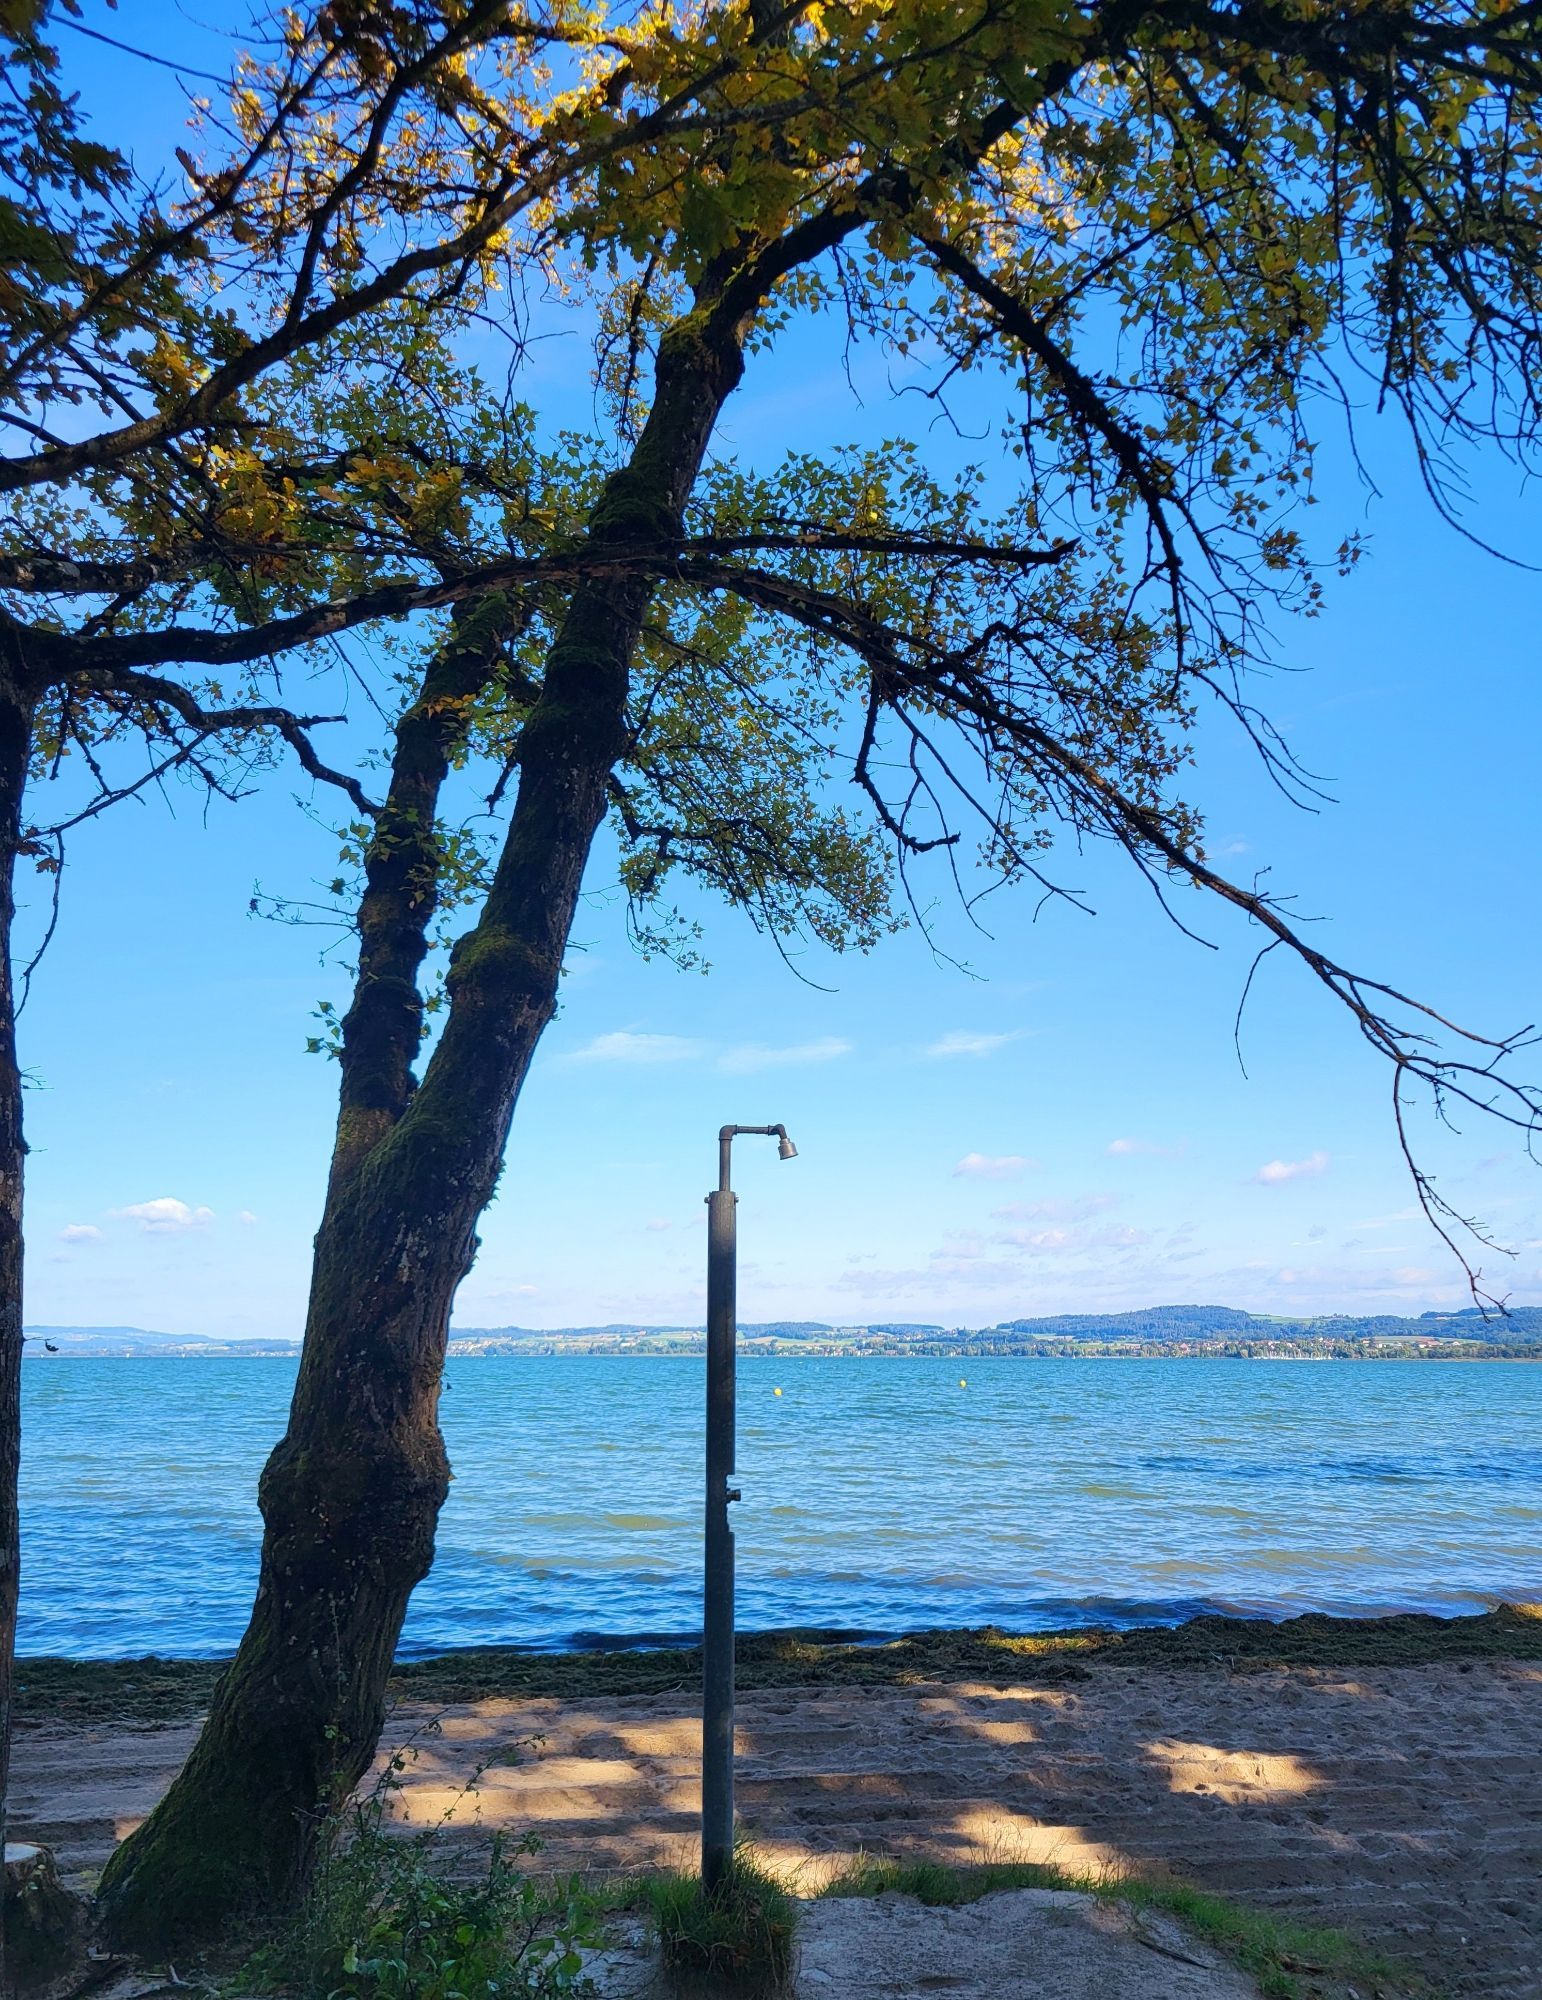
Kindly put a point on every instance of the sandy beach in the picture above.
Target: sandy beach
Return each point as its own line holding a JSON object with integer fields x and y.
{"x": 1402, "y": 1802}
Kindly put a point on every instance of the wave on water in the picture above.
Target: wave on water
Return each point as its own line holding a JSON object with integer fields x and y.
{"x": 1430, "y": 1469}
{"x": 878, "y": 1500}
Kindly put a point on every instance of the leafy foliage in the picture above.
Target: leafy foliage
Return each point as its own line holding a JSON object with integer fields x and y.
{"x": 1166, "y": 246}
{"x": 383, "y": 1920}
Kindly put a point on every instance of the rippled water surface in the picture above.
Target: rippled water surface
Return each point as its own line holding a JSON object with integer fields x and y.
{"x": 879, "y": 1495}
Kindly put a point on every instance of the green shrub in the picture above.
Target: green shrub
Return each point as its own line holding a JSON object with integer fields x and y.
{"x": 384, "y": 1920}
{"x": 741, "y": 1933}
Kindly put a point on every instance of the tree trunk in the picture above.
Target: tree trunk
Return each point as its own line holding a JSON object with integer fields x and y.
{"x": 351, "y": 1495}
{"x": 16, "y": 711}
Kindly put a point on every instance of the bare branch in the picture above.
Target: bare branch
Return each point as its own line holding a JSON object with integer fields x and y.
{"x": 163, "y": 694}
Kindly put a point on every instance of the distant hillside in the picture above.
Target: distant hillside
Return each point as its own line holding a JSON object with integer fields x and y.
{"x": 1181, "y": 1323}
{"x": 131, "y": 1342}
{"x": 1152, "y": 1323}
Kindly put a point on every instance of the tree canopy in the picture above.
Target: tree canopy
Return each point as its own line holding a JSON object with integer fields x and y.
{"x": 286, "y": 399}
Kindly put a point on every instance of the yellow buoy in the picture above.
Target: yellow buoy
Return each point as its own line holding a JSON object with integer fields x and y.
{"x": 962, "y": 1382}
{"x": 776, "y": 1392}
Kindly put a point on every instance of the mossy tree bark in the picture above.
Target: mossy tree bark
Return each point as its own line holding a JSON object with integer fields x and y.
{"x": 351, "y": 1495}
{"x": 16, "y": 717}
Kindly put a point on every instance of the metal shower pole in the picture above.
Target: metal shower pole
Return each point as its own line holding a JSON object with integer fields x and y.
{"x": 717, "y": 1633}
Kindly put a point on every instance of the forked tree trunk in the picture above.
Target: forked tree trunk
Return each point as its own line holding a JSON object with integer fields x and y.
{"x": 16, "y": 711}
{"x": 351, "y": 1495}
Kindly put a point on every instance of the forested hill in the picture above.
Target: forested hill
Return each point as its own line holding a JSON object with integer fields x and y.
{"x": 1183, "y": 1323}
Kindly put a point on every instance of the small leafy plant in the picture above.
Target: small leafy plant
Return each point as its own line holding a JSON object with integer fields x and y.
{"x": 384, "y": 1919}
{"x": 418, "y": 1935}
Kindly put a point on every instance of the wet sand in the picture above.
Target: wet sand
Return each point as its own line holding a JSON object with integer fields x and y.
{"x": 1403, "y": 1803}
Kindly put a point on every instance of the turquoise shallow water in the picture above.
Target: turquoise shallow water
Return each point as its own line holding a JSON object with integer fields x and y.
{"x": 880, "y": 1495}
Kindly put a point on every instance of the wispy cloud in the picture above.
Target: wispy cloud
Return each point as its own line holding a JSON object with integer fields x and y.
{"x": 1277, "y": 1172}
{"x": 993, "y": 1167}
{"x": 80, "y": 1232}
{"x": 1069, "y": 1242}
{"x": 165, "y": 1216}
{"x": 1124, "y": 1149}
{"x": 1073, "y": 1208}
{"x": 625, "y": 1045}
{"x": 622, "y": 1046}
{"x": 1342, "y": 1285}
{"x": 658, "y": 1223}
{"x": 963, "y": 1042}
{"x": 748, "y": 1057}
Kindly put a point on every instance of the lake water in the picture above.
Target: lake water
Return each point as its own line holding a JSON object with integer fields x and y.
{"x": 879, "y": 1495}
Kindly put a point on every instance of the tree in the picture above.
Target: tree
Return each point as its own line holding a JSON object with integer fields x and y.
{"x": 1154, "y": 230}
{"x": 152, "y": 526}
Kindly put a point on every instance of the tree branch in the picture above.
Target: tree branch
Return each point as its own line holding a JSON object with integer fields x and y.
{"x": 164, "y": 694}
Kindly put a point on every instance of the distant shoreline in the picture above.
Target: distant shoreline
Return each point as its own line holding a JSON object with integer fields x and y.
{"x": 1171, "y": 1332}
{"x": 757, "y": 1350}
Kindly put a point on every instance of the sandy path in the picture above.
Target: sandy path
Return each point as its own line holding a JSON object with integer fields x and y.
{"x": 1402, "y": 1802}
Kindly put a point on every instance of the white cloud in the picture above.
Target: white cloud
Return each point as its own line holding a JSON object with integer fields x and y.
{"x": 751, "y": 1056}
{"x": 622, "y": 1046}
{"x": 1124, "y": 1149}
{"x": 986, "y": 1167}
{"x": 657, "y": 1223}
{"x": 245, "y": 1215}
{"x": 961, "y": 1042}
{"x": 165, "y": 1215}
{"x": 1277, "y": 1172}
{"x": 80, "y": 1232}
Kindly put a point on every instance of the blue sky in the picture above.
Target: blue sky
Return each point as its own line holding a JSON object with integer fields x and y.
{"x": 1065, "y": 1127}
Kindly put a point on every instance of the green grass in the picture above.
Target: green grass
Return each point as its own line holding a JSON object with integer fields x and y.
{"x": 169, "y": 1690}
{"x": 383, "y": 1922}
{"x": 1289, "y": 1961}
{"x": 741, "y": 1934}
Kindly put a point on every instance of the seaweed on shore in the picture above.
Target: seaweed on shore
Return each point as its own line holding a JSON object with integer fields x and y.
{"x": 159, "y": 1690}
